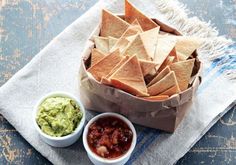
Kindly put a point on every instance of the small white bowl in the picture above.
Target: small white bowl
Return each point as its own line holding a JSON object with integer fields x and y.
{"x": 63, "y": 141}
{"x": 97, "y": 160}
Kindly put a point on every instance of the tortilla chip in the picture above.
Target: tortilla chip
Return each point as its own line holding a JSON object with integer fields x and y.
{"x": 157, "y": 98}
{"x": 171, "y": 91}
{"x": 102, "y": 44}
{"x": 96, "y": 56}
{"x": 149, "y": 39}
{"x": 132, "y": 30}
{"x": 132, "y": 13}
{"x": 163, "y": 49}
{"x": 136, "y": 23}
{"x": 112, "y": 25}
{"x": 106, "y": 79}
{"x": 174, "y": 54}
{"x": 137, "y": 47}
{"x": 165, "y": 83}
{"x": 130, "y": 38}
{"x": 183, "y": 71}
{"x": 129, "y": 78}
{"x": 111, "y": 42}
{"x": 169, "y": 60}
{"x": 105, "y": 65}
{"x": 122, "y": 42}
{"x": 159, "y": 76}
{"x": 146, "y": 66}
{"x": 185, "y": 46}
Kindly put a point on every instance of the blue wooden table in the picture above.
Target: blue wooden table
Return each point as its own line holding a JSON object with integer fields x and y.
{"x": 26, "y": 26}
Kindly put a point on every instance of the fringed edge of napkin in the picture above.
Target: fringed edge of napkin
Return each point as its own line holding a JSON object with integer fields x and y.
{"x": 217, "y": 49}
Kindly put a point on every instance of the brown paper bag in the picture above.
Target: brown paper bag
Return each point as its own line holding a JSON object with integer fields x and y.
{"x": 164, "y": 115}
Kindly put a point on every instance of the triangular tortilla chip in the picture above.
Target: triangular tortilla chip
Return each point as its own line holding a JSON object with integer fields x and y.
{"x": 149, "y": 39}
{"x": 163, "y": 49}
{"x": 171, "y": 91}
{"x": 132, "y": 13}
{"x": 136, "y": 23}
{"x": 111, "y": 42}
{"x": 132, "y": 30}
{"x": 183, "y": 71}
{"x": 102, "y": 44}
{"x": 112, "y": 25}
{"x": 96, "y": 56}
{"x": 156, "y": 98}
{"x": 121, "y": 44}
{"x": 159, "y": 76}
{"x": 130, "y": 38}
{"x": 105, "y": 65}
{"x": 146, "y": 66}
{"x": 165, "y": 83}
{"x": 129, "y": 78}
{"x": 169, "y": 60}
{"x": 122, "y": 41}
{"x": 106, "y": 79}
{"x": 185, "y": 46}
{"x": 134, "y": 26}
{"x": 137, "y": 47}
{"x": 174, "y": 54}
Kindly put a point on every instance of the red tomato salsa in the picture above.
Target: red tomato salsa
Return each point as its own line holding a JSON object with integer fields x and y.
{"x": 109, "y": 137}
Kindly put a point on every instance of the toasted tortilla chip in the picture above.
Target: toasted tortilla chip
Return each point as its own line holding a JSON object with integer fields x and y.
{"x": 157, "y": 98}
{"x": 171, "y": 91}
{"x": 130, "y": 38}
{"x": 169, "y": 60}
{"x": 159, "y": 76}
{"x": 146, "y": 66}
{"x": 183, "y": 71}
{"x": 137, "y": 47}
{"x": 163, "y": 49}
{"x": 102, "y": 44}
{"x": 112, "y": 25}
{"x": 129, "y": 78}
{"x": 174, "y": 54}
{"x": 185, "y": 46}
{"x": 165, "y": 83}
{"x": 111, "y": 42}
{"x": 96, "y": 56}
{"x": 136, "y": 23}
{"x": 106, "y": 79}
{"x": 132, "y": 30}
{"x": 132, "y": 13}
{"x": 123, "y": 42}
{"x": 105, "y": 65}
{"x": 149, "y": 39}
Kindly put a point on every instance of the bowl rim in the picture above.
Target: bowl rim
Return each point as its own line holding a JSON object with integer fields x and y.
{"x": 105, "y": 160}
{"x": 63, "y": 94}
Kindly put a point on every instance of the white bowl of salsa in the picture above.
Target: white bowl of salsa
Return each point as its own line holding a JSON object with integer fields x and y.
{"x": 109, "y": 138}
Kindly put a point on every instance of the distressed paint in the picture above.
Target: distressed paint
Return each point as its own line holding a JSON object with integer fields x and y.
{"x": 26, "y": 26}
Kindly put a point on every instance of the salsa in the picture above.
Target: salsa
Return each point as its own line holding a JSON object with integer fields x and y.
{"x": 109, "y": 137}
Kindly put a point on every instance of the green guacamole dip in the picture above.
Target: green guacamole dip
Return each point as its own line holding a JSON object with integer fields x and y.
{"x": 58, "y": 116}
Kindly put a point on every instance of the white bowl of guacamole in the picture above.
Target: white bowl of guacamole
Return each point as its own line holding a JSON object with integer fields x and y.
{"x": 59, "y": 118}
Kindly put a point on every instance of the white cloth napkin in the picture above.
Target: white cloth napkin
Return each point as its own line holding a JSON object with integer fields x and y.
{"x": 56, "y": 68}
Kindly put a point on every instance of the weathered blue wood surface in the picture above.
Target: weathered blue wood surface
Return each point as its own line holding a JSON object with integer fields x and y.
{"x": 26, "y": 26}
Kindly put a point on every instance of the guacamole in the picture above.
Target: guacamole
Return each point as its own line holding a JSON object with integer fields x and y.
{"x": 58, "y": 116}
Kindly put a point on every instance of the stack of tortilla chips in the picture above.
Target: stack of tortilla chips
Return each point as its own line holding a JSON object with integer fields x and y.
{"x": 129, "y": 50}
